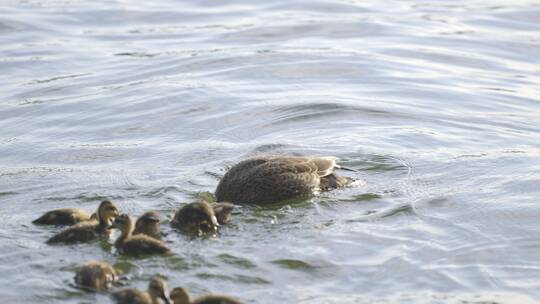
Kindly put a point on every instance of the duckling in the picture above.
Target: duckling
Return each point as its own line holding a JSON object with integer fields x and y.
{"x": 148, "y": 224}
{"x": 195, "y": 219}
{"x": 223, "y": 212}
{"x": 179, "y": 295}
{"x": 157, "y": 289}
{"x": 135, "y": 245}
{"x": 271, "y": 179}
{"x": 64, "y": 217}
{"x": 90, "y": 230}
{"x": 96, "y": 276}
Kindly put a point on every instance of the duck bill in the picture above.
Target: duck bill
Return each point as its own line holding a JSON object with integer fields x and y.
{"x": 165, "y": 299}
{"x": 114, "y": 225}
{"x": 215, "y": 222}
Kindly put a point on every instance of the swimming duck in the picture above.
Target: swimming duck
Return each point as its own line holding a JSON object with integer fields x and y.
{"x": 157, "y": 289}
{"x": 195, "y": 219}
{"x": 270, "y": 179}
{"x": 65, "y": 216}
{"x": 179, "y": 295}
{"x": 90, "y": 230}
{"x": 135, "y": 245}
{"x": 96, "y": 276}
{"x": 223, "y": 212}
{"x": 148, "y": 224}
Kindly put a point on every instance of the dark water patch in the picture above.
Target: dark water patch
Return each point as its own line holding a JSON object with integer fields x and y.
{"x": 364, "y": 197}
{"x": 236, "y": 261}
{"x": 374, "y": 215}
{"x": 294, "y": 265}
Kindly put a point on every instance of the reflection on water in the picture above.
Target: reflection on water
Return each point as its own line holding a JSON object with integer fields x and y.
{"x": 148, "y": 103}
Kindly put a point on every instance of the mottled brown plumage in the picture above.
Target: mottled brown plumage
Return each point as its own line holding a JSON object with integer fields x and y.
{"x": 96, "y": 276}
{"x": 157, "y": 289}
{"x": 179, "y": 295}
{"x": 135, "y": 245}
{"x": 195, "y": 219}
{"x": 148, "y": 224}
{"x": 89, "y": 230}
{"x": 65, "y": 216}
{"x": 223, "y": 212}
{"x": 271, "y": 179}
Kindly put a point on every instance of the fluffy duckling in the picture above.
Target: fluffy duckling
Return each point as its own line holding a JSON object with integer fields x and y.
{"x": 179, "y": 295}
{"x": 96, "y": 276}
{"x": 223, "y": 212}
{"x": 64, "y": 217}
{"x": 148, "y": 224}
{"x": 135, "y": 245}
{"x": 271, "y": 179}
{"x": 195, "y": 219}
{"x": 157, "y": 289}
{"x": 90, "y": 230}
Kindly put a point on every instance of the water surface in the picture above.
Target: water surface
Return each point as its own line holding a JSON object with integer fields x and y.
{"x": 435, "y": 103}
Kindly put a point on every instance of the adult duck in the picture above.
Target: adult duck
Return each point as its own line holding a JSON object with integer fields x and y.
{"x": 271, "y": 179}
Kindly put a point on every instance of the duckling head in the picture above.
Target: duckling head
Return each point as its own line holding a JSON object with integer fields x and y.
{"x": 149, "y": 218}
{"x": 107, "y": 212}
{"x": 179, "y": 295}
{"x": 196, "y": 218}
{"x": 158, "y": 289}
{"x": 124, "y": 223}
{"x": 223, "y": 212}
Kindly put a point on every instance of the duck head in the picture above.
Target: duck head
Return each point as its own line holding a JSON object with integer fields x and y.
{"x": 179, "y": 295}
{"x": 106, "y": 213}
{"x": 158, "y": 289}
{"x": 223, "y": 212}
{"x": 196, "y": 219}
{"x": 124, "y": 223}
{"x": 150, "y": 218}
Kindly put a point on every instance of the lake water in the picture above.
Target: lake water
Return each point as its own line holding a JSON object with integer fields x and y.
{"x": 435, "y": 103}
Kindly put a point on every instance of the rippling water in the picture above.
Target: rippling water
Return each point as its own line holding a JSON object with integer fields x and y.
{"x": 436, "y": 103}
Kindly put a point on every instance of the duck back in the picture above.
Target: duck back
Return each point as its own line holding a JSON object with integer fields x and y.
{"x": 143, "y": 245}
{"x": 80, "y": 233}
{"x": 215, "y": 299}
{"x": 67, "y": 216}
{"x": 265, "y": 180}
{"x": 132, "y": 296}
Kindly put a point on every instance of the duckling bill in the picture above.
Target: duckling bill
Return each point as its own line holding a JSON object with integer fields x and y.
{"x": 195, "y": 219}
{"x": 271, "y": 179}
{"x": 91, "y": 230}
{"x": 179, "y": 295}
{"x": 96, "y": 276}
{"x": 157, "y": 289}
{"x": 135, "y": 245}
